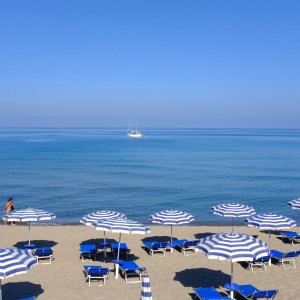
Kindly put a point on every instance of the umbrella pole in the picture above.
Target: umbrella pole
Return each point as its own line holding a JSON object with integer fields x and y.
{"x": 105, "y": 254}
{"x": 0, "y": 290}
{"x": 171, "y": 238}
{"x": 231, "y": 224}
{"x": 29, "y": 233}
{"x": 231, "y": 283}
{"x": 269, "y": 238}
{"x": 118, "y": 256}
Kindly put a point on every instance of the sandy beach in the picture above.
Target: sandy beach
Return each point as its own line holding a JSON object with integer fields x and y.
{"x": 172, "y": 277}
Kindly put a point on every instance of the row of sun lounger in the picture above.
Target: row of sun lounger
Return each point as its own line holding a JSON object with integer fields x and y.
{"x": 132, "y": 272}
{"x": 286, "y": 259}
{"x": 90, "y": 251}
{"x": 129, "y": 270}
{"x": 246, "y": 291}
{"x": 185, "y": 246}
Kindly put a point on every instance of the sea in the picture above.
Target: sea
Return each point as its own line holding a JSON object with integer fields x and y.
{"x": 74, "y": 171}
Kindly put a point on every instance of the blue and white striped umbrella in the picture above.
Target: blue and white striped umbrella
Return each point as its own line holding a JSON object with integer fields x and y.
{"x": 233, "y": 247}
{"x": 120, "y": 226}
{"x": 233, "y": 210}
{"x": 146, "y": 293}
{"x": 29, "y": 215}
{"x": 100, "y": 215}
{"x": 13, "y": 262}
{"x": 295, "y": 204}
{"x": 270, "y": 221}
{"x": 171, "y": 217}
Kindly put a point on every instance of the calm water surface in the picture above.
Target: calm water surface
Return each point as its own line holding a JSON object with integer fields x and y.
{"x": 71, "y": 172}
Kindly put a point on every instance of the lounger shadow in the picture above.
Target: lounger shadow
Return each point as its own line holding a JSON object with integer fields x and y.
{"x": 209, "y": 293}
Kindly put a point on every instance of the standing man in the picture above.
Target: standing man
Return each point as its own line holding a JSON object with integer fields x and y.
{"x": 9, "y": 208}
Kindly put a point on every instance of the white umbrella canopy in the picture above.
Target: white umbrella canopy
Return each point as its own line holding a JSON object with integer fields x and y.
{"x": 233, "y": 210}
{"x": 29, "y": 215}
{"x": 270, "y": 221}
{"x": 120, "y": 226}
{"x": 232, "y": 247}
{"x": 171, "y": 217}
{"x": 100, "y": 215}
{"x": 13, "y": 262}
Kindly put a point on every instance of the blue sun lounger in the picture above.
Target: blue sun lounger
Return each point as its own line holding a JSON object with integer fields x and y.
{"x": 291, "y": 236}
{"x": 124, "y": 250}
{"x": 88, "y": 251}
{"x": 248, "y": 291}
{"x": 45, "y": 253}
{"x": 156, "y": 247}
{"x": 95, "y": 273}
{"x": 209, "y": 293}
{"x": 131, "y": 269}
{"x": 186, "y": 247}
{"x": 261, "y": 262}
{"x": 285, "y": 258}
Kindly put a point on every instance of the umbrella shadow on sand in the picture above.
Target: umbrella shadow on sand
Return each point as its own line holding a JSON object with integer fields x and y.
{"x": 17, "y": 290}
{"x": 201, "y": 277}
{"x": 158, "y": 238}
{"x": 37, "y": 243}
{"x": 98, "y": 241}
{"x": 203, "y": 235}
{"x": 273, "y": 232}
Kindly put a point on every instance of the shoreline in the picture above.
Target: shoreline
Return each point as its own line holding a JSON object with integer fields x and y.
{"x": 148, "y": 224}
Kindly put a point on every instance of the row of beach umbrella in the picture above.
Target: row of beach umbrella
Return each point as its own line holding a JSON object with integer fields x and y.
{"x": 224, "y": 246}
{"x": 167, "y": 217}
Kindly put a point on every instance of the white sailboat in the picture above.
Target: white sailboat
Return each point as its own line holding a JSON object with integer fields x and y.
{"x": 132, "y": 130}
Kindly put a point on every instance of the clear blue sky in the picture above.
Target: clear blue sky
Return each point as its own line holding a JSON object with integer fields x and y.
{"x": 188, "y": 63}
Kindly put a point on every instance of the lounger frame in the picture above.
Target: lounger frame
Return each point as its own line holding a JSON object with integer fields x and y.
{"x": 189, "y": 247}
{"x": 101, "y": 275}
{"x": 156, "y": 247}
{"x": 88, "y": 251}
{"x": 42, "y": 254}
{"x": 250, "y": 292}
{"x": 259, "y": 264}
{"x": 287, "y": 259}
{"x": 291, "y": 236}
{"x": 130, "y": 269}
